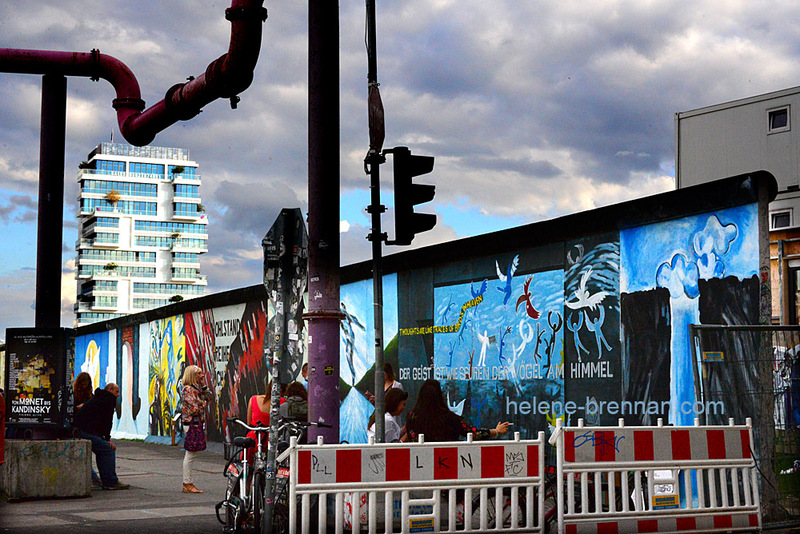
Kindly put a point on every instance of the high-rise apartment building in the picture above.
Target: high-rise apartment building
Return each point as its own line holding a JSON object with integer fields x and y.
{"x": 141, "y": 231}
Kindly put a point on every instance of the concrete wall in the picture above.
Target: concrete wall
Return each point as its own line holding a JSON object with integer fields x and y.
{"x": 46, "y": 469}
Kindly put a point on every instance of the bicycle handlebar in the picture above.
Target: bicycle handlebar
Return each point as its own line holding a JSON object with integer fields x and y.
{"x": 284, "y": 424}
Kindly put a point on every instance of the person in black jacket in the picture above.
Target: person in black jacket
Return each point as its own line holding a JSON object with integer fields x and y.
{"x": 94, "y": 420}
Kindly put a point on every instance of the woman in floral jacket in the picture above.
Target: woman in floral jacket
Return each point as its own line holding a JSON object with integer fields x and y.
{"x": 195, "y": 398}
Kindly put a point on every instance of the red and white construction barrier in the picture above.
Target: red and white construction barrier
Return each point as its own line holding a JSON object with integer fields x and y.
{"x": 506, "y": 474}
{"x": 656, "y": 479}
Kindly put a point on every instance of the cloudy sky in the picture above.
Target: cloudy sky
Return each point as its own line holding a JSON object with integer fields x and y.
{"x": 532, "y": 108}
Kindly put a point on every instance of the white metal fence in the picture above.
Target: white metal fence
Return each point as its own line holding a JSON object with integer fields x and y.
{"x": 655, "y": 479}
{"x": 418, "y": 487}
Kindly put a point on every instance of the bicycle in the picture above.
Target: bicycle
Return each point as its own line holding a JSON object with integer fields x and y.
{"x": 245, "y": 498}
{"x": 244, "y": 495}
{"x": 289, "y": 428}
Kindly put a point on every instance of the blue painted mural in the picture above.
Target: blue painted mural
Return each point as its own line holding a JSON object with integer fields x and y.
{"x": 677, "y": 257}
{"x": 357, "y": 355}
{"x": 499, "y": 342}
{"x": 91, "y": 356}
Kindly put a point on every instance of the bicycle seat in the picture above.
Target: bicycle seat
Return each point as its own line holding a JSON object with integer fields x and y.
{"x": 241, "y": 441}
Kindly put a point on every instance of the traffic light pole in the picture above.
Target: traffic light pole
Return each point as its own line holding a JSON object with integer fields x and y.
{"x": 372, "y": 165}
{"x": 377, "y": 237}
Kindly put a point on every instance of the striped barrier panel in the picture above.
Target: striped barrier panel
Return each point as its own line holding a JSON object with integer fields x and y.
{"x": 482, "y": 481}
{"x": 656, "y": 479}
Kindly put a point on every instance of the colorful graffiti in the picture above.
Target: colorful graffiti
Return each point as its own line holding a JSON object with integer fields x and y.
{"x": 91, "y": 356}
{"x": 167, "y": 362}
{"x": 499, "y": 342}
{"x": 246, "y": 369}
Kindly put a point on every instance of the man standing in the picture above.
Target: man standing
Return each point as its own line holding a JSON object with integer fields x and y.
{"x": 94, "y": 421}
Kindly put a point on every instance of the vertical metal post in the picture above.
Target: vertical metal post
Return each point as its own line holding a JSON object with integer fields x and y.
{"x": 323, "y": 217}
{"x": 782, "y": 286}
{"x": 372, "y": 164}
{"x": 765, "y": 433}
{"x": 51, "y": 201}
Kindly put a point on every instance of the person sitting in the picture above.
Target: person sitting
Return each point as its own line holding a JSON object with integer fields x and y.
{"x": 82, "y": 392}
{"x": 94, "y": 420}
{"x": 432, "y": 418}
{"x": 395, "y": 403}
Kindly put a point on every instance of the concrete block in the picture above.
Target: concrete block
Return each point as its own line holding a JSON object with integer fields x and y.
{"x": 46, "y": 469}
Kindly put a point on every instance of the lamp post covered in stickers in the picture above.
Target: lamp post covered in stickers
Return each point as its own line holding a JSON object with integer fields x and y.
{"x": 285, "y": 277}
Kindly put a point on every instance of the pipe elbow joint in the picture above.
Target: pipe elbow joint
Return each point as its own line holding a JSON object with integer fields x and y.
{"x": 136, "y": 136}
{"x": 177, "y": 106}
{"x": 227, "y": 78}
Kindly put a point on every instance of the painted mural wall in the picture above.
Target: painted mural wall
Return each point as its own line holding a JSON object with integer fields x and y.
{"x": 147, "y": 362}
{"x": 594, "y": 328}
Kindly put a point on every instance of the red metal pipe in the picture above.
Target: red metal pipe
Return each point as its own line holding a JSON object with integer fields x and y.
{"x": 225, "y": 77}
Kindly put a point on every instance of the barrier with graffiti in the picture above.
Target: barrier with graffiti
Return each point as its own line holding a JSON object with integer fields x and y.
{"x": 441, "y": 487}
{"x": 656, "y": 479}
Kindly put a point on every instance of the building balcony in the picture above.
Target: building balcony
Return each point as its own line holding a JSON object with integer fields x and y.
{"x": 188, "y": 277}
{"x": 96, "y": 243}
{"x": 183, "y": 247}
{"x": 187, "y": 216}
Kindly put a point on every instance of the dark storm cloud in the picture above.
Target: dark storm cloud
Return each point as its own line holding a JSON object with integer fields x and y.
{"x": 566, "y": 104}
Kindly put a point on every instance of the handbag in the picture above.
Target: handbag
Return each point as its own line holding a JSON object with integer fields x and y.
{"x": 195, "y": 437}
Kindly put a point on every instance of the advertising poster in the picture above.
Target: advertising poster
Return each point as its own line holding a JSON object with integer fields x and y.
{"x": 35, "y": 371}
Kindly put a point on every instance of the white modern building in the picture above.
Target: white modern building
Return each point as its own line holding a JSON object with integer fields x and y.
{"x": 757, "y": 133}
{"x": 141, "y": 231}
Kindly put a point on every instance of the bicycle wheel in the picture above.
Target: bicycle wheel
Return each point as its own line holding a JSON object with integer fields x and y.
{"x": 233, "y": 507}
{"x": 491, "y": 509}
{"x": 258, "y": 501}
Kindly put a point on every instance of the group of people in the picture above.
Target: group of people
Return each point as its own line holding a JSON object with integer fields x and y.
{"x": 93, "y": 416}
{"x": 431, "y": 417}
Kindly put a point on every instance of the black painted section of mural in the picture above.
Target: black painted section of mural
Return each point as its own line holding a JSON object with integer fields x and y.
{"x": 415, "y": 309}
{"x": 592, "y": 325}
{"x": 735, "y": 379}
{"x": 646, "y": 337}
{"x": 247, "y": 371}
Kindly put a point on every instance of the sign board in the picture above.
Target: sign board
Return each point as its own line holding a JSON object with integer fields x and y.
{"x": 38, "y": 362}
{"x": 713, "y": 356}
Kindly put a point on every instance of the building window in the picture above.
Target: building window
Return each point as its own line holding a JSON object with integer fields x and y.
{"x": 779, "y": 120}
{"x": 780, "y": 219}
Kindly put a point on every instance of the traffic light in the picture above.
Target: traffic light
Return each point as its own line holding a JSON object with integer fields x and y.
{"x": 408, "y": 194}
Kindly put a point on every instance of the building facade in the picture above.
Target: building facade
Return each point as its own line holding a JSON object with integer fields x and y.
{"x": 756, "y": 133}
{"x": 141, "y": 231}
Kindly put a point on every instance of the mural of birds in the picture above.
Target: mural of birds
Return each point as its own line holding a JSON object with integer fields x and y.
{"x": 481, "y": 290}
{"x": 582, "y": 298}
{"x": 505, "y": 279}
{"x": 532, "y": 312}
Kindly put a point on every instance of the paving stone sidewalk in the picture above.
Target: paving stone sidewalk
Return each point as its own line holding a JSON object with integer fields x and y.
{"x": 154, "y": 503}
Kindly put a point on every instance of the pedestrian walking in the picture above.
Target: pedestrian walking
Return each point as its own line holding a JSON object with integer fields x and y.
{"x": 195, "y": 399}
